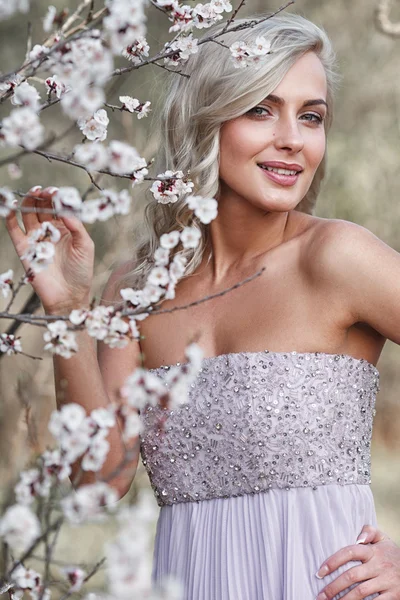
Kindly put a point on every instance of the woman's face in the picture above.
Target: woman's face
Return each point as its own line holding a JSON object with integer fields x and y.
{"x": 285, "y": 131}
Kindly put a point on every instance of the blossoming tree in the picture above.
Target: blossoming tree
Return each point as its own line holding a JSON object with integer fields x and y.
{"x": 73, "y": 64}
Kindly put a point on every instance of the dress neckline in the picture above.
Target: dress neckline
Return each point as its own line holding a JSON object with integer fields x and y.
{"x": 211, "y": 359}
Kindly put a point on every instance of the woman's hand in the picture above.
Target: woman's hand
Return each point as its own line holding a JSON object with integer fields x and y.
{"x": 379, "y": 573}
{"x": 65, "y": 284}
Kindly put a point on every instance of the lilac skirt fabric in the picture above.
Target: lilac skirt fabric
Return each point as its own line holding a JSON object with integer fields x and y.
{"x": 264, "y": 546}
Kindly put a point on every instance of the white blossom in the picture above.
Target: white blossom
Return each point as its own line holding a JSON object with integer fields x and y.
{"x": 133, "y": 105}
{"x": 171, "y": 188}
{"x": 22, "y": 128}
{"x": 7, "y": 201}
{"x": 56, "y": 463}
{"x": 169, "y": 240}
{"x": 25, "y": 579}
{"x": 190, "y": 237}
{"x": 6, "y": 282}
{"x": 183, "y": 47}
{"x": 128, "y": 565}
{"x": 32, "y": 483}
{"x": 205, "y": 209}
{"x": 48, "y": 20}
{"x": 60, "y": 340}
{"x": 37, "y": 54}
{"x": 96, "y": 454}
{"x": 158, "y": 276}
{"x": 124, "y": 23}
{"x": 9, "y": 344}
{"x": 161, "y": 256}
{"x": 123, "y": 158}
{"x": 137, "y": 51}
{"x": 80, "y": 102}
{"x": 245, "y": 54}
{"x": 8, "y": 85}
{"x": 95, "y": 127}
{"x": 142, "y": 387}
{"x": 55, "y": 85}
{"x": 14, "y": 172}
{"x": 182, "y": 16}
{"x": 67, "y": 198}
{"x": 75, "y": 577}
{"x": 93, "y": 155}
{"x": 26, "y": 95}
{"x": 19, "y": 527}
{"x": 89, "y": 503}
{"x": 40, "y": 251}
{"x": 9, "y": 7}
{"x": 83, "y": 62}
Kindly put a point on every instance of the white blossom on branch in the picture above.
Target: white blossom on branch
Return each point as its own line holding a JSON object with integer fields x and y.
{"x": 7, "y": 201}
{"x": 26, "y": 95}
{"x": 6, "y": 282}
{"x": 9, "y": 344}
{"x": 41, "y": 251}
{"x": 137, "y": 51}
{"x": 60, "y": 340}
{"x": 9, "y": 7}
{"x": 22, "y": 127}
{"x": 171, "y": 188}
{"x": 142, "y": 109}
{"x": 183, "y": 47}
{"x": 95, "y": 127}
{"x": 19, "y": 527}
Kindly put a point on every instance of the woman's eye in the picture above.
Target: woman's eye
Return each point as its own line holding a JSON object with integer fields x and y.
{"x": 313, "y": 118}
{"x": 257, "y": 111}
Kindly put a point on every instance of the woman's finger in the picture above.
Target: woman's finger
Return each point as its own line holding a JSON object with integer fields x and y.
{"x": 343, "y": 556}
{"x": 18, "y": 237}
{"x": 371, "y": 535}
{"x": 44, "y": 201}
{"x": 30, "y": 219}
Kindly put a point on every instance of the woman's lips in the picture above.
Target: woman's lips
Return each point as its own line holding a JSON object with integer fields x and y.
{"x": 286, "y": 180}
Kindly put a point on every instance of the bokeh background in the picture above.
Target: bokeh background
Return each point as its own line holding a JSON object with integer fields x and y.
{"x": 362, "y": 185}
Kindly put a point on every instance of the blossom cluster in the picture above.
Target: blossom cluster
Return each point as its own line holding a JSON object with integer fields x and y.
{"x": 9, "y": 344}
{"x": 109, "y": 203}
{"x": 245, "y": 54}
{"x": 7, "y": 201}
{"x": 94, "y": 128}
{"x": 41, "y": 251}
{"x": 10, "y": 7}
{"x": 133, "y": 105}
{"x": 124, "y": 23}
{"x": 185, "y": 18}
{"x": 120, "y": 158}
{"x": 171, "y": 188}
{"x": 6, "y": 282}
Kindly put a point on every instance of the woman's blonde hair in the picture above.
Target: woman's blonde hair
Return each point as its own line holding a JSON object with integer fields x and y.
{"x": 195, "y": 108}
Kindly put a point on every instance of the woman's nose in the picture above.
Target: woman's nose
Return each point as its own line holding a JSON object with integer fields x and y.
{"x": 288, "y": 136}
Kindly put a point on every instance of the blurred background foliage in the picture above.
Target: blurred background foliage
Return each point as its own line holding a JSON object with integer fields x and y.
{"x": 361, "y": 186}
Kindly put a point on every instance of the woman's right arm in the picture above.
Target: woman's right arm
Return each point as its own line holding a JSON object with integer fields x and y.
{"x": 86, "y": 378}
{"x": 93, "y": 380}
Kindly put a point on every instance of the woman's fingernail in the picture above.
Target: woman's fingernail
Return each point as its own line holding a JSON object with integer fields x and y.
{"x": 36, "y": 188}
{"x": 51, "y": 189}
{"x": 362, "y": 538}
{"x": 322, "y": 572}
{"x": 322, "y": 596}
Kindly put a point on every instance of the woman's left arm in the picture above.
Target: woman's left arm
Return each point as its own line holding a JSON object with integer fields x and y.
{"x": 379, "y": 573}
{"x": 356, "y": 263}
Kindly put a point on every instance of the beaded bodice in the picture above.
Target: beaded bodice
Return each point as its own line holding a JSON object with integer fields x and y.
{"x": 261, "y": 420}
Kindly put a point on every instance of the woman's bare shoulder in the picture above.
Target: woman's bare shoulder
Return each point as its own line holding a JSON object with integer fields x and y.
{"x": 350, "y": 260}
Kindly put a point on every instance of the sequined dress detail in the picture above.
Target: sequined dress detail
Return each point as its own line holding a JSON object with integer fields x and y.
{"x": 263, "y": 474}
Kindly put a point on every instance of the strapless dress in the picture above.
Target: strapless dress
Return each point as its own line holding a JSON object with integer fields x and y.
{"x": 263, "y": 474}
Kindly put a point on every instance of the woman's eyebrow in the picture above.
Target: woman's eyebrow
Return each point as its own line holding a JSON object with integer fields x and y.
{"x": 280, "y": 101}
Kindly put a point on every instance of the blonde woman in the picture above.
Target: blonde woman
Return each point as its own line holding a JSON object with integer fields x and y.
{"x": 263, "y": 478}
